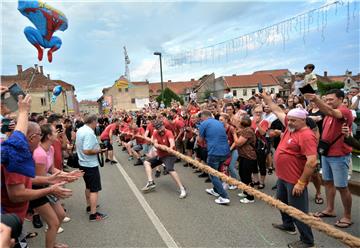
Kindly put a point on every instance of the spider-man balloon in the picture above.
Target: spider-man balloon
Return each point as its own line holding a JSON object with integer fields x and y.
{"x": 47, "y": 20}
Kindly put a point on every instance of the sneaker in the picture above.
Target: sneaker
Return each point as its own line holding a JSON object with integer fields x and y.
{"x": 186, "y": 165}
{"x": 222, "y": 201}
{"x": 157, "y": 173}
{"x": 130, "y": 158}
{"x": 36, "y": 221}
{"x": 113, "y": 162}
{"x": 203, "y": 175}
{"x": 300, "y": 244}
{"x": 212, "y": 192}
{"x": 98, "y": 216}
{"x": 107, "y": 160}
{"x": 241, "y": 195}
{"x": 232, "y": 187}
{"x": 246, "y": 200}
{"x": 183, "y": 193}
{"x": 149, "y": 186}
{"x": 138, "y": 162}
{"x": 281, "y": 227}
{"x": 207, "y": 180}
{"x": 60, "y": 230}
{"x": 88, "y": 208}
{"x": 66, "y": 219}
{"x": 274, "y": 187}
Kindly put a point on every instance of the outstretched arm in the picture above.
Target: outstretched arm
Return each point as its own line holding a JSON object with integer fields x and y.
{"x": 274, "y": 108}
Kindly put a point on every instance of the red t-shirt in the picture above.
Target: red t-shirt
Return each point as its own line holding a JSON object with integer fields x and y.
{"x": 150, "y": 128}
{"x": 105, "y": 134}
{"x": 169, "y": 126}
{"x": 290, "y": 155}
{"x": 8, "y": 178}
{"x": 193, "y": 110}
{"x": 178, "y": 125}
{"x": 58, "y": 160}
{"x": 139, "y": 131}
{"x": 264, "y": 124}
{"x": 163, "y": 140}
{"x": 230, "y": 134}
{"x": 332, "y": 129}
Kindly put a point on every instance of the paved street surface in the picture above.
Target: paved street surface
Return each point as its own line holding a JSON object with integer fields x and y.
{"x": 192, "y": 222}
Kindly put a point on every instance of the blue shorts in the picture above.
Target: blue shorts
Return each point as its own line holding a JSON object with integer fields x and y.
{"x": 336, "y": 169}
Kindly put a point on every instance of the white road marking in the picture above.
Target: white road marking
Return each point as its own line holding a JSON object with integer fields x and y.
{"x": 164, "y": 234}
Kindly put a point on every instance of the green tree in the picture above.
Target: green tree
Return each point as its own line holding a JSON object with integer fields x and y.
{"x": 167, "y": 96}
{"x": 324, "y": 87}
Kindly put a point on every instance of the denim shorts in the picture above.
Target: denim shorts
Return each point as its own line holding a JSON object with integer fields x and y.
{"x": 336, "y": 169}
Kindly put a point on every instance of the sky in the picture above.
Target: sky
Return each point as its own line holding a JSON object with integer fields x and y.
{"x": 91, "y": 57}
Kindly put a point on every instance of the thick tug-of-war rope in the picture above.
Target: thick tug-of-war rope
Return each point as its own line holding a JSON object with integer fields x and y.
{"x": 312, "y": 221}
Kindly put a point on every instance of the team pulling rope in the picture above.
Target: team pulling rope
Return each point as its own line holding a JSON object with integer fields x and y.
{"x": 312, "y": 221}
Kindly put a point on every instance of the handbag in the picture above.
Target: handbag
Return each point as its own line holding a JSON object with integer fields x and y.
{"x": 324, "y": 146}
{"x": 73, "y": 159}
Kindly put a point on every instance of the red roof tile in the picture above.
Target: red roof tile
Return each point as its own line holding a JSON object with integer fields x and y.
{"x": 275, "y": 73}
{"x": 243, "y": 81}
{"x": 88, "y": 102}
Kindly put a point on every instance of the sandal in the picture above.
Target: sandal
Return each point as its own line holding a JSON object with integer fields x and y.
{"x": 323, "y": 215}
{"x": 61, "y": 246}
{"x": 343, "y": 224}
{"x": 31, "y": 235}
{"x": 319, "y": 199}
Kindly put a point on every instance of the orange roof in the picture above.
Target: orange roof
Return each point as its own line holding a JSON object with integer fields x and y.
{"x": 177, "y": 87}
{"x": 244, "y": 81}
{"x": 275, "y": 73}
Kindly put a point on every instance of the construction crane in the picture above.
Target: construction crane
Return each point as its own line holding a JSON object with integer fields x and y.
{"x": 127, "y": 62}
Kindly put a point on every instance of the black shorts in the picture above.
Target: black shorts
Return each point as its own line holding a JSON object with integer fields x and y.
{"x": 201, "y": 153}
{"x": 39, "y": 201}
{"x": 189, "y": 145}
{"x": 92, "y": 178}
{"x": 169, "y": 162}
{"x": 107, "y": 144}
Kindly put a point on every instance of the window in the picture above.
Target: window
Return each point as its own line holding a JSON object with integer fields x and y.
{"x": 43, "y": 101}
{"x": 244, "y": 92}
{"x": 272, "y": 90}
{"x": 234, "y": 92}
{"x": 133, "y": 100}
{"x": 348, "y": 81}
{"x": 253, "y": 91}
{"x": 126, "y": 89}
{"x": 120, "y": 90}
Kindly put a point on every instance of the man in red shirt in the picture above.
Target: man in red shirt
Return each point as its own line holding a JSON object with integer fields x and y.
{"x": 107, "y": 138}
{"x": 163, "y": 136}
{"x": 137, "y": 145}
{"x": 335, "y": 164}
{"x": 295, "y": 160}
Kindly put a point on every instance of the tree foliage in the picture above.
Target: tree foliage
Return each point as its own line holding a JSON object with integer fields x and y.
{"x": 324, "y": 87}
{"x": 167, "y": 96}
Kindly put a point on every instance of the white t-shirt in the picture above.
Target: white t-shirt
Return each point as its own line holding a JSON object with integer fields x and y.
{"x": 353, "y": 100}
{"x": 228, "y": 95}
{"x": 297, "y": 85}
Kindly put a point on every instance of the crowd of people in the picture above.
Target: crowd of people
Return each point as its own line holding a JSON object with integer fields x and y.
{"x": 302, "y": 137}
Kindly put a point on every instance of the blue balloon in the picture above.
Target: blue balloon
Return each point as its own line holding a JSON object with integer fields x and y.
{"x": 57, "y": 91}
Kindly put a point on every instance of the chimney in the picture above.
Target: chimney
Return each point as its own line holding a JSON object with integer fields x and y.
{"x": 169, "y": 81}
{"x": 234, "y": 75}
{"x": 41, "y": 70}
{"x": 192, "y": 80}
{"x": 48, "y": 76}
{"x": 325, "y": 73}
{"x": 36, "y": 68}
{"x": 19, "y": 69}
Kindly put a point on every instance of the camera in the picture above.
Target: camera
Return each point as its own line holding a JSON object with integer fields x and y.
{"x": 102, "y": 146}
{"x": 59, "y": 128}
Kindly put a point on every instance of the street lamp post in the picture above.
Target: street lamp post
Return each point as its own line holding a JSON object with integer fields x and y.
{"x": 161, "y": 74}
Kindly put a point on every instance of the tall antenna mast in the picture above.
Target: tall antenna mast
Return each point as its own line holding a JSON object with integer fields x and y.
{"x": 127, "y": 62}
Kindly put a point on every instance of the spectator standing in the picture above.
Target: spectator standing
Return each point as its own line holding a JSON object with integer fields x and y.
{"x": 213, "y": 131}
{"x": 335, "y": 162}
{"x": 295, "y": 160}
{"x": 87, "y": 148}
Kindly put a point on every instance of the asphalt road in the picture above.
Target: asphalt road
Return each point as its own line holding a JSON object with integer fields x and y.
{"x": 195, "y": 221}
